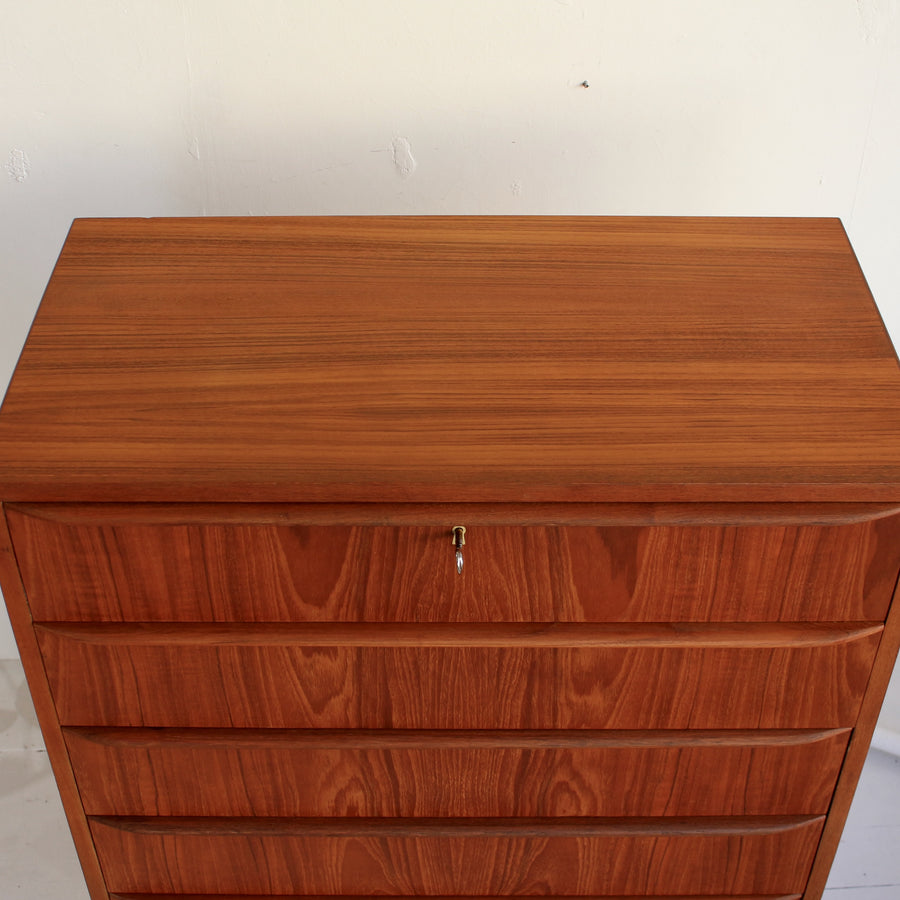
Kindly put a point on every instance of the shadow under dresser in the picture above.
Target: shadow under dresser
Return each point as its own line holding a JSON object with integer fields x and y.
{"x": 454, "y": 556}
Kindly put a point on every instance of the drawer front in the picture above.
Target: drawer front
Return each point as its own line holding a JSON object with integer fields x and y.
{"x": 145, "y": 772}
{"x": 453, "y": 857}
{"x": 271, "y": 573}
{"x": 143, "y": 896}
{"x": 489, "y": 676}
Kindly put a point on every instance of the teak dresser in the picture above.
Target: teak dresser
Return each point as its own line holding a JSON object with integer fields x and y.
{"x": 236, "y": 461}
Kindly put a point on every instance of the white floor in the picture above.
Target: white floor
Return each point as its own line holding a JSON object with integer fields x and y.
{"x": 37, "y": 860}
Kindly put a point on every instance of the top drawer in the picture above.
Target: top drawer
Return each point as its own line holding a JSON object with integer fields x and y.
{"x": 78, "y": 570}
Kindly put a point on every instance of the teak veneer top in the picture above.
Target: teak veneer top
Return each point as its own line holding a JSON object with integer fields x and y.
{"x": 497, "y": 359}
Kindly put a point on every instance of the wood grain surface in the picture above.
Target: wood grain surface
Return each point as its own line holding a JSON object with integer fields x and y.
{"x": 133, "y": 896}
{"x": 236, "y": 445}
{"x": 489, "y": 856}
{"x": 42, "y": 697}
{"x": 595, "y": 515}
{"x": 462, "y": 676}
{"x": 408, "y": 574}
{"x": 147, "y": 772}
{"x": 856, "y": 751}
{"x": 454, "y": 359}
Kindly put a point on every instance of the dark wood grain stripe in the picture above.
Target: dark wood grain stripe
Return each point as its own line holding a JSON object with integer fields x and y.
{"x": 364, "y": 739}
{"x": 488, "y": 635}
{"x": 271, "y": 826}
{"x": 439, "y": 514}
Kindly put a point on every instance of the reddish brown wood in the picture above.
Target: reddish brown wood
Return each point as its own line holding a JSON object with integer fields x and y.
{"x": 541, "y": 514}
{"x": 130, "y": 896}
{"x": 674, "y": 442}
{"x": 20, "y": 617}
{"x": 857, "y": 750}
{"x": 597, "y": 856}
{"x": 348, "y": 773}
{"x": 458, "y": 676}
{"x": 527, "y": 574}
{"x": 454, "y": 359}
{"x": 675, "y": 635}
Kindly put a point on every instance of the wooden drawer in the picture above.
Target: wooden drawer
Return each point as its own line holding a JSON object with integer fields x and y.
{"x": 450, "y": 857}
{"x": 79, "y": 571}
{"x": 459, "y": 676}
{"x": 148, "y": 772}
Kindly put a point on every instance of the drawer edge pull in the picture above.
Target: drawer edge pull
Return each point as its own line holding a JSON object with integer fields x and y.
{"x": 454, "y": 827}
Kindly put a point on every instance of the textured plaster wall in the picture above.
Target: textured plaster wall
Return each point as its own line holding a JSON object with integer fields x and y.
{"x": 193, "y": 107}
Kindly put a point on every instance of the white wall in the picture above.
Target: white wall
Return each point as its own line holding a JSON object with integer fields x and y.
{"x": 191, "y": 107}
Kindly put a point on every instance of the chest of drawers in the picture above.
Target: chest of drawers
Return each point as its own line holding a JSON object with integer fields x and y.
{"x": 234, "y": 462}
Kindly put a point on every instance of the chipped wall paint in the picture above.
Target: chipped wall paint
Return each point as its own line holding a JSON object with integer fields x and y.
{"x": 875, "y": 17}
{"x": 19, "y": 166}
{"x": 401, "y": 154}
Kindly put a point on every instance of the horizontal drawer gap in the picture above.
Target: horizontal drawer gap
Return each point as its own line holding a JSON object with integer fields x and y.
{"x": 447, "y": 827}
{"x": 445, "y": 897}
{"x": 437, "y": 514}
{"x": 355, "y": 739}
{"x": 366, "y": 634}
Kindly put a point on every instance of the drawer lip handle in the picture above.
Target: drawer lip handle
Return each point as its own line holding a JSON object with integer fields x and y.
{"x": 459, "y": 539}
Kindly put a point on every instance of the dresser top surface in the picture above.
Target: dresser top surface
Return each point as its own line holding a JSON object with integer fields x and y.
{"x": 441, "y": 359}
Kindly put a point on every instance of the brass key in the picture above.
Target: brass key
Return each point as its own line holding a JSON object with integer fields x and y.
{"x": 459, "y": 538}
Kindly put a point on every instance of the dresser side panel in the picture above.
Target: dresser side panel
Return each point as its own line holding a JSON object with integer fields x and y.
{"x": 42, "y": 696}
{"x": 857, "y": 750}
